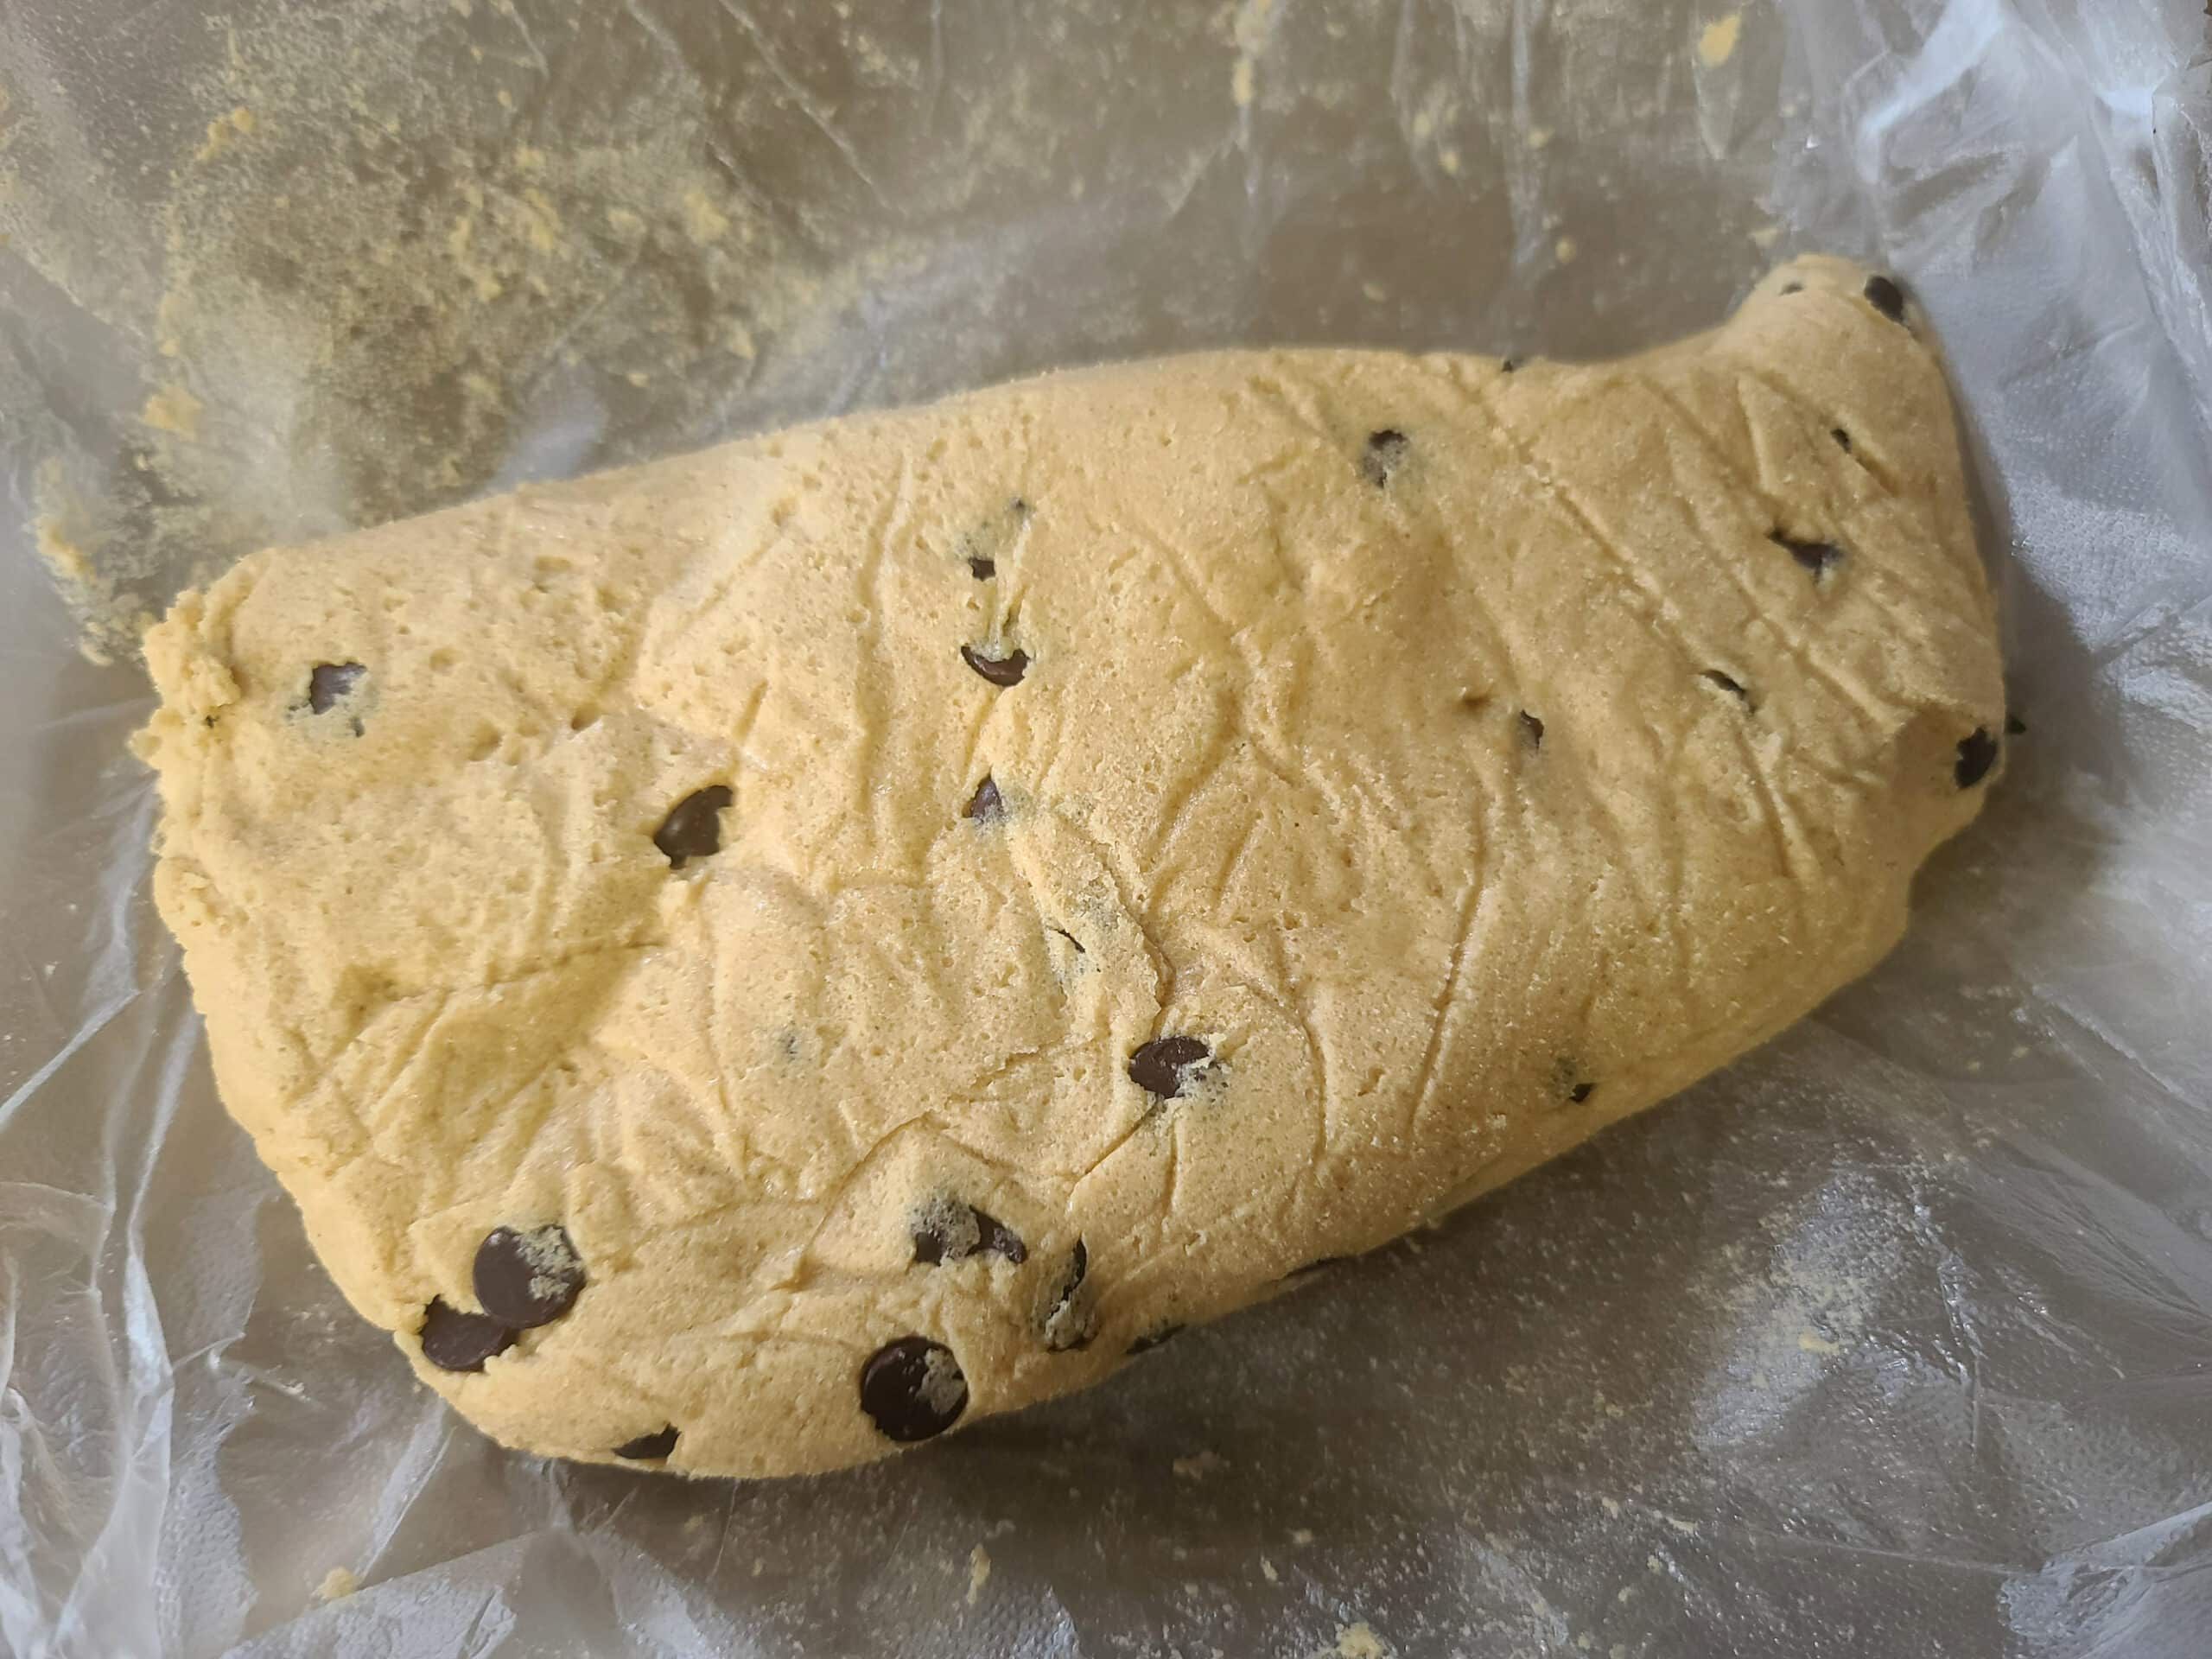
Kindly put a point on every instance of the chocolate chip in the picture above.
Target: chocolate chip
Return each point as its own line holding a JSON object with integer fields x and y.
{"x": 2014, "y": 726}
{"x": 329, "y": 684}
{"x": 1507, "y": 366}
{"x": 984, "y": 804}
{"x": 1581, "y": 1092}
{"x": 527, "y": 1279}
{"x": 1532, "y": 729}
{"x": 693, "y": 828}
{"x": 913, "y": 1390}
{"x": 1977, "y": 754}
{"x": 1727, "y": 682}
{"x": 1842, "y": 438}
{"x": 1067, "y": 1326}
{"x": 982, "y": 570}
{"x": 1163, "y": 1066}
{"x": 649, "y": 1448}
{"x": 1819, "y": 557}
{"x": 455, "y": 1341}
{"x": 999, "y": 670}
{"x": 949, "y": 1230}
{"x": 1886, "y": 297}
{"x": 1153, "y": 1338}
{"x": 1386, "y": 453}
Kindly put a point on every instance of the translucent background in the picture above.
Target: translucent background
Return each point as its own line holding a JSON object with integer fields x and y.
{"x": 1895, "y": 1338}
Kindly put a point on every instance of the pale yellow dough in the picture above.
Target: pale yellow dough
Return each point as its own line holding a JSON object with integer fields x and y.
{"x": 1267, "y": 783}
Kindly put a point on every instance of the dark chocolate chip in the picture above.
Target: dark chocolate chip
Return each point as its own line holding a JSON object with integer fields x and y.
{"x": 1727, "y": 682}
{"x": 1886, "y": 297}
{"x": 984, "y": 804}
{"x": 1507, "y": 366}
{"x": 949, "y": 1230}
{"x": 528, "y": 1279}
{"x": 2014, "y": 726}
{"x": 1842, "y": 438}
{"x": 1533, "y": 729}
{"x": 999, "y": 670}
{"x": 329, "y": 684}
{"x": 1067, "y": 1326}
{"x": 693, "y": 828}
{"x": 1316, "y": 1264}
{"x": 982, "y": 570}
{"x": 1163, "y": 1066}
{"x": 1977, "y": 754}
{"x": 455, "y": 1341}
{"x": 913, "y": 1389}
{"x": 1581, "y": 1092}
{"x": 1819, "y": 557}
{"x": 1153, "y": 1338}
{"x": 648, "y": 1448}
{"x": 1386, "y": 453}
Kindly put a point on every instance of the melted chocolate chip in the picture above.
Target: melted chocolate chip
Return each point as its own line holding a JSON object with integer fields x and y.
{"x": 1842, "y": 438}
{"x": 1066, "y": 1325}
{"x": 1977, "y": 754}
{"x": 1153, "y": 1338}
{"x": 999, "y": 670}
{"x": 1819, "y": 557}
{"x": 693, "y": 828}
{"x": 1727, "y": 682}
{"x": 1886, "y": 297}
{"x": 649, "y": 1448}
{"x": 1532, "y": 729}
{"x": 982, "y": 570}
{"x": 455, "y": 1341}
{"x": 329, "y": 684}
{"x": 947, "y": 1230}
{"x": 913, "y": 1389}
{"x": 1386, "y": 453}
{"x": 1581, "y": 1092}
{"x": 984, "y": 804}
{"x": 530, "y": 1279}
{"x": 1163, "y": 1066}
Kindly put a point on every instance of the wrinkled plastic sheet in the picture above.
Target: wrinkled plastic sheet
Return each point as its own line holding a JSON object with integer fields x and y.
{"x": 1894, "y": 1338}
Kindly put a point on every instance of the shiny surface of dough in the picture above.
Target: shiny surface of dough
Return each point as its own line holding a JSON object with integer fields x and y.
{"x": 905, "y": 910}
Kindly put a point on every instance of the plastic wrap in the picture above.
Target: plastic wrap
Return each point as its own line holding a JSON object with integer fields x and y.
{"x": 1895, "y": 1337}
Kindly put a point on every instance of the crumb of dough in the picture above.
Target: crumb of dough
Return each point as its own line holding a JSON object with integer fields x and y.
{"x": 1300, "y": 1536}
{"x": 1358, "y": 1641}
{"x": 173, "y": 409}
{"x": 1268, "y": 1570}
{"x": 1717, "y": 43}
{"x": 1814, "y": 1342}
{"x": 979, "y": 1572}
{"x": 338, "y": 1582}
{"x": 1565, "y": 249}
{"x": 1199, "y": 1466}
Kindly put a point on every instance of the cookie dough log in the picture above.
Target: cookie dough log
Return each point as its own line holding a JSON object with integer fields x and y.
{"x": 753, "y": 961}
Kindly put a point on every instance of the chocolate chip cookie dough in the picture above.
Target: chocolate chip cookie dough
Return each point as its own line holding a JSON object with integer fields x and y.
{"x": 754, "y": 961}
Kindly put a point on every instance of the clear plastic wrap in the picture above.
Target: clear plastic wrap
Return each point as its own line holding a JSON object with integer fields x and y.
{"x": 1895, "y": 1337}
